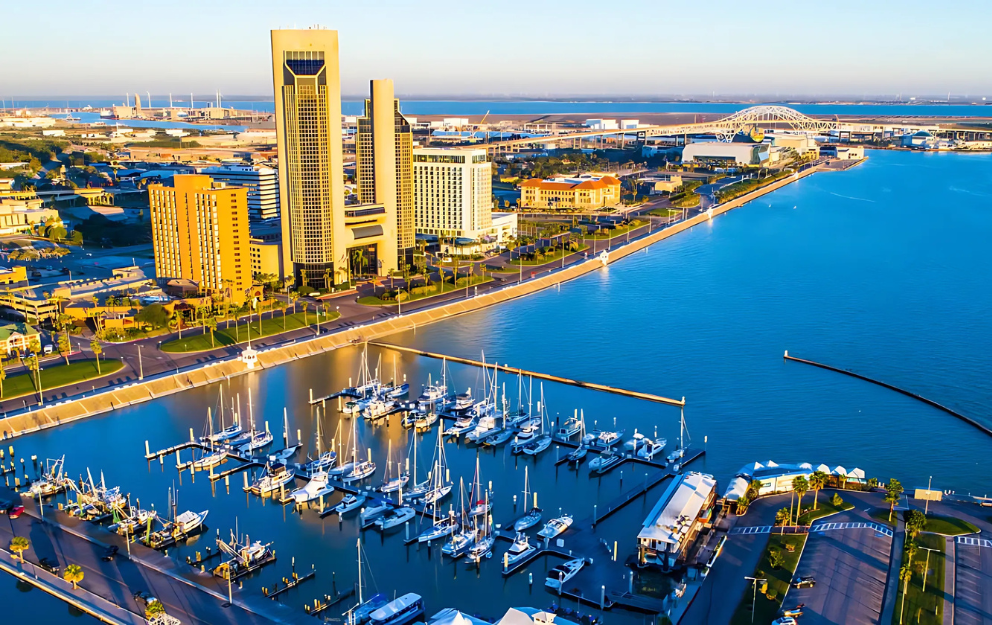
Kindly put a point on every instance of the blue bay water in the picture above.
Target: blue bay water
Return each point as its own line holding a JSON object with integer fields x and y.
{"x": 883, "y": 269}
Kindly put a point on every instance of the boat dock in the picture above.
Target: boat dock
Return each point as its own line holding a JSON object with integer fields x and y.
{"x": 541, "y": 376}
{"x": 288, "y": 584}
{"x": 329, "y": 601}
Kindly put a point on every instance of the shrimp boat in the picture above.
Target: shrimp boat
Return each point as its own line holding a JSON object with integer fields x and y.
{"x": 52, "y": 481}
{"x": 134, "y": 520}
{"x": 277, "y": 475}
{"x": 556, "y": 526}
{"x": 245, "y": 557}
{"x": 94, "y": 500}
{"x": 533, "y": 516}
{"x": 395, "y": 518}
{"x": 316, "y": 488}
{"x": 558, "y": 576}
{"x": 520, "y": 549}
{"x": 180, "y": 528}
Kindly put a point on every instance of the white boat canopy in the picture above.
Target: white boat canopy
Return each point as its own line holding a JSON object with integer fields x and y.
{"x": 857, "y": 474}
{"x": 823, "y": 468}
{"x": 839, "y": 470}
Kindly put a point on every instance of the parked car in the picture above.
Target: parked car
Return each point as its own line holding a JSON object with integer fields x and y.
{"x": 49, "y": 565}
{"x": 48, "y": 349}
{"x": 807, "y": 581}
{"x": 785, "y": 620}
{"x": 109, "y": 554}
{"x": 795, "y": 612}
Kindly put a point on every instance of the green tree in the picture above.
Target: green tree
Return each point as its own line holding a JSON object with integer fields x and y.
{"x": 893, "y": 490}
{"x": 73, "y": 574}
{"x": 905, "y": 574}
{"x": 3, "y": 373}
{"x": 211, "y": 324}
{"x": 153, "y": 315}
{"x": 911, "y": 550}
{"x": 34, "y": 366}
{"x": 65, "y": 346}
{"x": 34, "y": 345}
{"x": 916, "y": 522}
{"x": 97, "y": 349}
{"x": 19, "y": 545}
{"x": 816, "y": 482}
{"x": 154, "y": 608}
{"x": 753, "y": 489}
{"x": 783, "y": 516}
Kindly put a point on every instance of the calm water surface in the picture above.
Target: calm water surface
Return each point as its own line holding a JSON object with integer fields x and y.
{"x": 883, "y": 269}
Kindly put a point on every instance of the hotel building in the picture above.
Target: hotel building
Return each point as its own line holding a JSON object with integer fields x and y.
{"x": 452, "y": 192}
{"x": 200, "y": 234}
{"x": 262, "y": 184}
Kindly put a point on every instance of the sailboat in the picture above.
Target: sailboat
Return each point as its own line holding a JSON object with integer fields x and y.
{"x": 215, "y": 456}
{"x": 360, "y": 469}
{"x": 391, "y": 484}
{"x": 419, "y": 488}
{"x": 533, "y": 516}
{"x": 577, "y": 455}
{"x": 361, "y": 612}
{"x": 478, "y": 500}
{"x": 679, "y": 453}
{"x": 543, "y": 441}
{"x": 461, "y": 541}
{"x": 440, "y": 487}
{"x": 325, "y": 459}
{"x": 256, "y": 439}
{"x": 368, "y": 385}
{"x": 435, "y": 392}
{"x": 225, "y": 433}
{"x": 483, "y": 547}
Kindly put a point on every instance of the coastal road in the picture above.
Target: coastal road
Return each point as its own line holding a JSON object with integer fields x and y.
{"x": 973, "y": 584}
{"x": 850, "y": 567}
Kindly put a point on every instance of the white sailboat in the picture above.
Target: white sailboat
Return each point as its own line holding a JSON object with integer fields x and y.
{"x": 391, "y": 484}
{"x": 543, "y": 440}
{"x": 533, "y": 516}
{"x": 440, "y": 485}
{"x": 360, "y": 469}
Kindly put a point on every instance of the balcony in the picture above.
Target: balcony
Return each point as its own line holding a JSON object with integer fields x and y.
{"x": 364, "y": 212}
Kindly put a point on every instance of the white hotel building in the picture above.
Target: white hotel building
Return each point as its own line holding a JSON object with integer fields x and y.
{"x": 452, "y": 197}
{"x": 262, "y": 184}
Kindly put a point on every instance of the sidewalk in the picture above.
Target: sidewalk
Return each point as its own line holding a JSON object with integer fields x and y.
{"x": 950, "y": 581}
{"x": 892, "y": 582}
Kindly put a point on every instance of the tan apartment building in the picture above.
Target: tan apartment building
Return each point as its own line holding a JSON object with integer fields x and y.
{"x": 324, "y": 242}
{"x": 200, "y": 233}
{"x": 452, "y": 192}
{"x": 579, "y": 193}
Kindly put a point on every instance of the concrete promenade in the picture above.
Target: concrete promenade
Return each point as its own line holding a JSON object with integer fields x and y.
{"x": 152, "y": 387}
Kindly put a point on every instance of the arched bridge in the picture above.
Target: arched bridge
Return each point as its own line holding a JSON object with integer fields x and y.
{"x": 781, "y": 117}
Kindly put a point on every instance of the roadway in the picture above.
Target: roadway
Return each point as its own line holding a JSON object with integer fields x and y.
{"x": 973, "y": 584}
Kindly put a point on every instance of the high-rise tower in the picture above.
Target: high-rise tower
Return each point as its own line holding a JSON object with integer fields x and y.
{"x": 384, "y": 171}
{"x": 307, "y": 87}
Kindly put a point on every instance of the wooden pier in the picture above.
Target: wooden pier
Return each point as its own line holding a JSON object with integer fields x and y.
{"x": 541, "y": 376}
{"x": 288, "y": 584}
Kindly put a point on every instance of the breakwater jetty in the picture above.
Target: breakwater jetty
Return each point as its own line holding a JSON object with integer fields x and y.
{"x": 954, "y": 413}
{"x": 541, "y": 376}
{"x": 136, "y": 392}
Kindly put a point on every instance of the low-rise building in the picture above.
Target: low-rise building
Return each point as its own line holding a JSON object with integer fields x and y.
{"x": 15, "y": 338}
{"x": 660, "y": 182}
{"x": 584, "y": 192}
{"x": 266, "y": 256}
{"x": 803, "y": 144}
{"x": 842, "y": 152}
{"x": 13, "y": 275}
{"x": 721, "y": 154}
{"x": 670, "y": 530}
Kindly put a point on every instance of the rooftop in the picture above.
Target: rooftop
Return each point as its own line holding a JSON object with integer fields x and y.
{"x": 682, "y": 503}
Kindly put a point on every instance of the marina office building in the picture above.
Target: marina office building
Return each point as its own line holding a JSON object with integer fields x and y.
{"x": 200, "y": 233}
{"x": 323, "y": 241}
{"x": 670, "y": 530}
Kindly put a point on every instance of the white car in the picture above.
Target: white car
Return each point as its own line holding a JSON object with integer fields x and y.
{"x": 785, "y": 620}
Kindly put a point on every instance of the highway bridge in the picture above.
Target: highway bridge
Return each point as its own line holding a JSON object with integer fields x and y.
{"x": 780, "y": 117}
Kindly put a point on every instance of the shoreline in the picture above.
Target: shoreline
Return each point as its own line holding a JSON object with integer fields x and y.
{"x": 137, "y": 392}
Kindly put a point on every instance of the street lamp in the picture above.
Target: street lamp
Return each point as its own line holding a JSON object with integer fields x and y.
{"x": 926, "y": 506}
{"x": 754, "y": 598}
{"x": 926, "y": 567}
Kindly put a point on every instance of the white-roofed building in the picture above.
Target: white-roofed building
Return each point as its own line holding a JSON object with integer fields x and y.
{"x": 671, "y": 528}
{"x": 726, "y": 154}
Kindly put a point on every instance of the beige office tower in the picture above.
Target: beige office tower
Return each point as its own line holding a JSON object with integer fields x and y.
{"x": 307, "y": 87}
{"x": 384, "y": 171}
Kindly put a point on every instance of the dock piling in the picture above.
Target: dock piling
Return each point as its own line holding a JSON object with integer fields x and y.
{"x": 147, "y": 450}
{"x": 192, "y": 439}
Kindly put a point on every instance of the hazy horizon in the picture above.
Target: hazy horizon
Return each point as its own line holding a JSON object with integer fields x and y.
{"x": 634, "y": 49}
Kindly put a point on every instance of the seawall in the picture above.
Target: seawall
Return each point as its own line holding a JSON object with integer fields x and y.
{"x": 149, "y": 389}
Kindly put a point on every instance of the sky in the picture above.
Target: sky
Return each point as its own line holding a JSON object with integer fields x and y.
{"x": 535, "y": 48}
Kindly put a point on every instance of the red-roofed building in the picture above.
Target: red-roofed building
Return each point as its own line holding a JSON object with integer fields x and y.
{"x": 582, "y": 192}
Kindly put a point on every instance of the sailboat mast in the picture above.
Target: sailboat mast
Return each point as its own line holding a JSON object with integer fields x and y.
{"x": 221, "y": 389}
{"x": 359, "y": 544}
{"x": 210, "y": 422}
{"x": 251, "y": 413}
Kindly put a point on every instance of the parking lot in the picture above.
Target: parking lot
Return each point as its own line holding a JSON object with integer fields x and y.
{"x": 973, "y": 584}
{"x": 850, "y": 566}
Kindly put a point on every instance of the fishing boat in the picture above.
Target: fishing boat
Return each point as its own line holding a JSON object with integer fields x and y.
{"x": 439, "y": 529}
{"x": 314, "y": 489}
{"x": 651, "y": 449}
{"x": 462, "y": 424}
{"x": 184, "y": 526}
{"x": 52, "y": 481}
{"x": 348, "y": 503}
{"x": 246, "y": 556}
{"x": 376, "y": 509}
{"x": 277, "y": 475}
{"x": 133, "y": 521}
{"x": 569, "y": 428}
{"x": 558, "y": 576}
{"x": 533, "y": 516}
{"x": 395, "y": 518}
{"x": 399, "y": 611}
{"x": 556, "y": 526}
{"x": 520, "y": 549}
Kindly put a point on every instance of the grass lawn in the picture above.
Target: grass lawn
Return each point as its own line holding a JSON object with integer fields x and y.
{"x": 446, "y": 287}
{"x": 548, "y": 258}
{"x": 195, "y": 340}
{"x": 882, "y": 516}
{"x": 54, "y": 376}
{"x": 924, "y": 608}
{"x": 823, "y": 508}
{"x": 949, "y": 526}
{"x": 766, "y": 610}
{"x": 665, "y": 212}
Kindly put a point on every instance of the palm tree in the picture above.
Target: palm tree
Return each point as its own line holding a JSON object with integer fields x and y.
{"x": 893, "y": 490}
{"x": 65, "y": 347}
{"x": 801, "y": 486}
{"x": 97, "y": 349}
{"x": 305, "y": 321}
{"x": 911, "y": 550}
{"x": 211, "y": 324}
{"x": 19, "y": 545}
{"x": 3, "y": 374}
{"x": 783, "y": 516}
{"x": 73, "y": 574}
{"x": 327, "y": 279}
{"x": 905, "y": 574}
{"x": 753, "y": 489}
{"x": 817, "y": 481}
{"x": 34, "y": 366}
